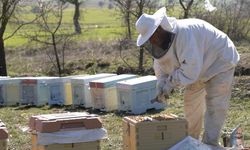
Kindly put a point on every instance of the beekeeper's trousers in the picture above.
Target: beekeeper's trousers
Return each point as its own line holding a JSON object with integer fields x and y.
{"x": 211, "y": 97}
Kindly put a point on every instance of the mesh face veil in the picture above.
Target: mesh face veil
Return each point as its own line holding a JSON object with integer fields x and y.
{"x": 163, "y": 44}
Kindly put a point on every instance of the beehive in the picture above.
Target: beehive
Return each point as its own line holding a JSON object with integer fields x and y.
{"x": 136, "y": 95}
{"x": 9, "y": 91}
{"x": 3, "y": 94}
{"x": 95, "y": 145}
{"x": 3, "y": 136}
{"x": 104, "y": 93}
{"x": 81, "y": 89}
{"x": 153, "y": 133}
{"x": 65, "y": 123}
{"x": 34, "y": 90}
{"x": 56, "y": 122}
{"x": 60, "y": 92}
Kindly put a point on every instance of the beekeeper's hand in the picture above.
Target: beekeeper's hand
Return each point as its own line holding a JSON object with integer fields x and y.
{"x": 163, "y": 89}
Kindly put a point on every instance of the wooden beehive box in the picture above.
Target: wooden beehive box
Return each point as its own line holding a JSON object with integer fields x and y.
{"x": 153, "y": 133}
{"x": 95, "y": 145}
{"x": 54, "y": 123}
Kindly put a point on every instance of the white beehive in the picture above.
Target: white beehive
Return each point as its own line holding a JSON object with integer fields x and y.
{"x": 103, "y": 92}
{"x": 3, "y": 94}
{"x": 136, "y": 95}
{"x": 9, "y": 91}
{"x": 81, "y": 90}
{"x": 34, "y": 90}
{"x": 60, "y": 91}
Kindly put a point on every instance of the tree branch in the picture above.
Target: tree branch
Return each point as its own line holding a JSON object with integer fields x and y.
{"x": 20, "y": 26}
{"x": 190, "y": 4}
{"x": 60, "y": 19}
{"x": 182, "y": 5}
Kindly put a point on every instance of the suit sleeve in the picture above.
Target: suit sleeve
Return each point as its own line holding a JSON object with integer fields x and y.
{"x": 158, "y": 72}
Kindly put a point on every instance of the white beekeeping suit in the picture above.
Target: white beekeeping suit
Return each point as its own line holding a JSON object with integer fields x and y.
{"x": 202, "y": 59}
{"x": 208, "y": 6}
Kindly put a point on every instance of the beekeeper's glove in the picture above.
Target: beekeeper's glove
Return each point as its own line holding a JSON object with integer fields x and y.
{"x": 164, "y": 88}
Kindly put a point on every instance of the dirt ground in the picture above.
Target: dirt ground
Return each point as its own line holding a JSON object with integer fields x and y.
{"x": 243, "y": 68}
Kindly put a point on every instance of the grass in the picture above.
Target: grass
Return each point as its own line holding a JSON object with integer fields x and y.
{"x": 17, "y": 119}
{"x": 95, "y": 22}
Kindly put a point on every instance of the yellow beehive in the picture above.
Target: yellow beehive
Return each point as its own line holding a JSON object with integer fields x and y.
{"x": 152, "y": 133}
{"x": 12, "y": 91}
{"x": 104, "y": 93}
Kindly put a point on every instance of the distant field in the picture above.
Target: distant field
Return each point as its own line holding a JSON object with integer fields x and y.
{"x": 96, "y": 23}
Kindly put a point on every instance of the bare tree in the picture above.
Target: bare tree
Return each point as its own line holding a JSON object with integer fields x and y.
{"x": 101, "y": 4}
{"x": 7, "y": 9}
{"x": 131, "y": 11}
{"x": 50, "y": 34}
{"x": 232, "y": 17}
{"x": 186, "y": 5}
{"x": 125, "y": 7}
{"x": 77, "y": 14}
{"x": 143, "y": 6}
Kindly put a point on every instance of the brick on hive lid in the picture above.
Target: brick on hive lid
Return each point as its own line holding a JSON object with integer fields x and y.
{"x": 3, "y": 131}
{"x": 64, "y": 121}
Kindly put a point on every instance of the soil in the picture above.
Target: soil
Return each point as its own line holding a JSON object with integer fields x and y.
{"x": 243, "y": 67}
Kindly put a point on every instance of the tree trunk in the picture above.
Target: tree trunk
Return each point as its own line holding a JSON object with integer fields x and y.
{"x": 3, "y": 69}
{"x": 76, "y": 18}
{"x": 128, "y": 18}
{"x": 140, "y": 67}
{"x": 186, "y": 8}
{"x": 186, "y": 13}
{"x": 128, "y": 25}
{"x": 57, "y": 57}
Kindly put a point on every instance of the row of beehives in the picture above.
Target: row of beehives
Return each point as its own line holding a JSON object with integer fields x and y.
{"x": 106, "y": 92}
{"x": 80, "y": 131}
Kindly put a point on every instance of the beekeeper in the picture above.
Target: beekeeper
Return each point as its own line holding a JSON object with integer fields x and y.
{"x": 194, "y": 54}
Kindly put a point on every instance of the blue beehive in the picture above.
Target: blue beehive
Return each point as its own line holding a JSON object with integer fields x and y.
{"x": 56, "y": 92}
{"x": 34, "y": 90}
{"x": 136, "y": 95}
{"x": 60, "y": 91}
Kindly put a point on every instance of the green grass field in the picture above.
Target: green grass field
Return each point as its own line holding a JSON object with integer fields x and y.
{"x": 96, "y": 23}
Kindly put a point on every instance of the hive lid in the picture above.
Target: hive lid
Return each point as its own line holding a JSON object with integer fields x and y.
{"x": 64, "y": 121}
{"x": 89, "y": 77}
{"x": 154, "y": 118}
{"x": 110, "y": 81}
{"x": 139, "y": 80}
